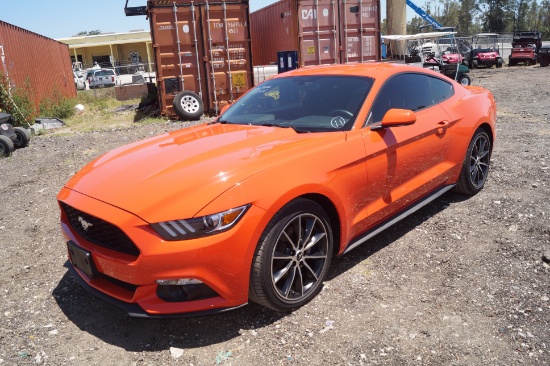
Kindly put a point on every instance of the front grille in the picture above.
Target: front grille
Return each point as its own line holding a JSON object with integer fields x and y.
{"x": 99, "y": 232}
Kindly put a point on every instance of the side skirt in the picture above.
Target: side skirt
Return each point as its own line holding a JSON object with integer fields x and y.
{"x": 398, "y": 217}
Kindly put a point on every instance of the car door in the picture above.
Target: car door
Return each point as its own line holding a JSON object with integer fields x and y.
{"x": 406, "y": 162}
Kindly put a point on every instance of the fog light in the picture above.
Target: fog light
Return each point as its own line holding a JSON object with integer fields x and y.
{"x": 184, "y": 289}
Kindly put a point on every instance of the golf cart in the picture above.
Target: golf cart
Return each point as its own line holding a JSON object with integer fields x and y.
{"x": 11, "y": 137}
{"x": 525, "y": 45}
{"x": 485, "y": 51}
{"x": 435, "y": 50}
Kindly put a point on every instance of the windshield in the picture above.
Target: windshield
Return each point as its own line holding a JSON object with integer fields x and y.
{"x": 305, "y": 103}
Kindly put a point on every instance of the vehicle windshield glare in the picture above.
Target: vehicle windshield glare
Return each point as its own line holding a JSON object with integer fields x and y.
{"x": 305, "y": 103}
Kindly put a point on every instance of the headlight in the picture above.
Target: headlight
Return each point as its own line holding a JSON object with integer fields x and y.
{"x": 200, "y": 226}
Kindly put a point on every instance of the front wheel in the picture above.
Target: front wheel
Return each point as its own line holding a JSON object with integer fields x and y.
{"x": 292, "y": 258}
{"x": 476, "y": 164}
{"x": 499, "y": 63}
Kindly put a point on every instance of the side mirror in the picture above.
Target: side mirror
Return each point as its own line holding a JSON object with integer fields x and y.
{"x": 395, "y": 117}
{"x": 398, "y": 117}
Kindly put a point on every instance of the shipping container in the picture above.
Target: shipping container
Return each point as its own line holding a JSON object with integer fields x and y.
{"x": 201, "y": 47}
{"x": 43, "y": 62}
{"x": 322, "y": 31}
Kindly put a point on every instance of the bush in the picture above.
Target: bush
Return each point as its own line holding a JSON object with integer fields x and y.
{"x": 57, "y": 106}
{"x": 18, "y": 103}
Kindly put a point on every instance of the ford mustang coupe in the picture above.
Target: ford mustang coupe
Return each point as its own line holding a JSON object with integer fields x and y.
{"x": 306, "y": 166}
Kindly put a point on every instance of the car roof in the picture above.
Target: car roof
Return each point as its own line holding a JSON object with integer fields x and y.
{"x": 375, "y": 70}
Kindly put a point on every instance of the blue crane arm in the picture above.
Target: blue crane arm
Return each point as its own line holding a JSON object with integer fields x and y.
{"x": 423, "y": 14}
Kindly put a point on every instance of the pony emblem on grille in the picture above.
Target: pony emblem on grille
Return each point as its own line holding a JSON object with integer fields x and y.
{"x": 85, "y": 224}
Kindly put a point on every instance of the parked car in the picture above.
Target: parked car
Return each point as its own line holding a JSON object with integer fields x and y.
{"x": 306, "y": 166}
{"x": 98, "y": 78}
{"x": 79, "y": 81}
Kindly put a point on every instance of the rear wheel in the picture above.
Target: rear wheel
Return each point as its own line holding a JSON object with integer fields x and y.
{"x": 23, "y": 137}
{"x": 6, "y": 146}
{"x": 476, "y": 164}
{"x": 499, "y": 63}
{"x": 188, "y": 105}
{"x": 465, "y": 80}
{"x": 293, "y": 257}
{"x": 475, "y": 64}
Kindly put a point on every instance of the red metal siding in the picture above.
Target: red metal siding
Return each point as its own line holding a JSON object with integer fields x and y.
{"x": 322, "y": 31}
{"x": 212, "y": 57}
{"x": 46, "y": 63}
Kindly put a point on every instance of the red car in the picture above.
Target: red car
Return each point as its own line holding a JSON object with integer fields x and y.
{"x": 305, "y": 166}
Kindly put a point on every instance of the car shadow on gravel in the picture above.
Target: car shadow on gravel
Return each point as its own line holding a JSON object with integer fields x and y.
{"x": 346, "y": 262}
{"x": 115, "y": 327}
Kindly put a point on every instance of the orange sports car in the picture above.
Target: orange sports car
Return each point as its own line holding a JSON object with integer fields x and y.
{"x": 304, "y": 167}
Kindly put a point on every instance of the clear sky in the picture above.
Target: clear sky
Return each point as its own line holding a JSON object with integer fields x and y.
{"x": 65, "y": 18}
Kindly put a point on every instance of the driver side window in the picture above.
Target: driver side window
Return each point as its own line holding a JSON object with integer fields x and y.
{"x": 404, "y": 91}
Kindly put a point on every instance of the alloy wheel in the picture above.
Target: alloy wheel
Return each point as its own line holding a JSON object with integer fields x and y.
{"x": 479, "y": 161}
{"x": 299, "y": 257}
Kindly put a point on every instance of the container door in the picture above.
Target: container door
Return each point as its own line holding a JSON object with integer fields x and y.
{"x": 227, "y": 52}
{"x": 177, "y": 63}
{"x": 319, "y": 44}
{"x": 359, "y": 31}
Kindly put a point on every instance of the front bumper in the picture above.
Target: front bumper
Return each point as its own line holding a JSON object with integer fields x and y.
{"x": 222, "y": 262}
{"x": 134, "y": 310}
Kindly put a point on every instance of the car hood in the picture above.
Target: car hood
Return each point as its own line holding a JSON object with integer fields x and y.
{"x": 175, "y": 175}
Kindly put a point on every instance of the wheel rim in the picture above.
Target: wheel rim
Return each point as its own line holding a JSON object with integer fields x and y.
{"x": 464, "y": 81}
{"x": 190, "y": 104}
{"x": 299, "y": 257}
{"x": 479, "y": 161}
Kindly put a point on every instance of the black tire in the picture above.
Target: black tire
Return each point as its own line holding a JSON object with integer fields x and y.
{"x": 286, "y": 273}
{"x": 499, "y": 63}
{"x": 512, "y": 63}
{"x": 475, "y": 168}
{"x": 475, "y": 64}
{"x": 6, "y": 146}
{"x": 544, "y": 63}
{"x": 188, "y": 106}
{"x": 23, "y": 137}
{"x": 465, "y": 80}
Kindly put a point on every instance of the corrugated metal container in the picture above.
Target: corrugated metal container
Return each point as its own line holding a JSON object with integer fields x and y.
{"x": 322, "y": 31}
{"x": 203, "y": 47}
{"x": 46, "y": 63}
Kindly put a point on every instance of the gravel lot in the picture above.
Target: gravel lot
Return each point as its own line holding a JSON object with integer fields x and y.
{"x": 462, "y": 282}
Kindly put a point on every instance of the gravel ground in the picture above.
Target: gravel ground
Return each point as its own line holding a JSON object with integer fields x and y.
{"x": 464, "y": 281}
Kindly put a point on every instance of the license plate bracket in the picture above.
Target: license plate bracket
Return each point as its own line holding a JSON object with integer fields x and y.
{"x": 81, "y": 259}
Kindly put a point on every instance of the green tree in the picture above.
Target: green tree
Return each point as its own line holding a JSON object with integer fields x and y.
{"x": 495, "y": 14}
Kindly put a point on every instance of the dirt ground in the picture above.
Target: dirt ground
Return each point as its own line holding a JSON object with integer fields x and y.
{"x": 462, "y": 282}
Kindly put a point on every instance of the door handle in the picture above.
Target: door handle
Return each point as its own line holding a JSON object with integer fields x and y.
{"x": 442, "y": 123}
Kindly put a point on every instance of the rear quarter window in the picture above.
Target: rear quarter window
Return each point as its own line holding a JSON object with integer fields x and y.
{"x": 441, "y": 89}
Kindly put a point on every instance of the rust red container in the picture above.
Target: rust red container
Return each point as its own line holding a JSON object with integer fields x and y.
{"x": 201, "y": 46}
{"x": 44, "y": 62}
{"x": 322, "y": 31}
